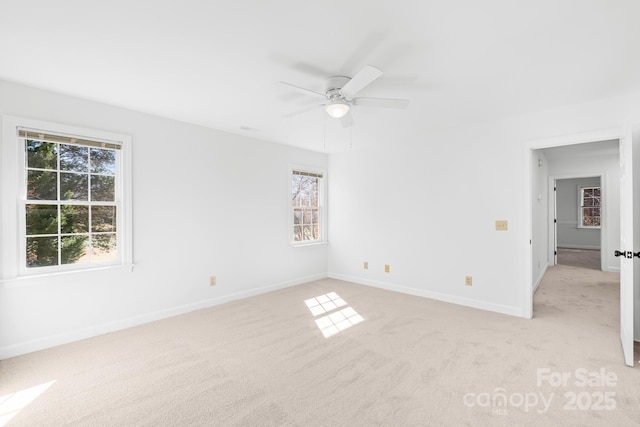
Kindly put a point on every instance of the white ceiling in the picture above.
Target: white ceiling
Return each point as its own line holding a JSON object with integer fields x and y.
{"x": 218, "y": 64}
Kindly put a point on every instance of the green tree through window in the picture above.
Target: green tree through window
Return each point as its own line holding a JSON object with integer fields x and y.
{"x": 70, "y": 209}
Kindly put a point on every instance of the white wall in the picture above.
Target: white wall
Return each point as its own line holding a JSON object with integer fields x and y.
{"x": 427, "y": 203}
{"x": 204, "y": 203}
{"x": 569, "y": 234}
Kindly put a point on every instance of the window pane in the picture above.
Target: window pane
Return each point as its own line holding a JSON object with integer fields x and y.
{"x": 103, "y": 161}
{"x": 42, "y": 185}
{"x": 307, "y": 217}
{"x": 297, "y": 216}
{"x": 74, "y": 219}
{"x": 591, "y": 211}
{"x": 588, "y": 202}
{"x": 74, "y": 186}
{"x": 74, "y": 158}
{"x": 103, "y": 218}
{"x": 42, "y": 219}
{"x": 103, "y": 188}
{"x": 307, "y": 231}
{"x": 42, "y": 251}
{"x": 592, "y": 221}
{"x": 304, "y": 190}
{"x": 41, "y": 155}
{"x": 105, "y": 247}
{"x": 74, "y": 249}
{"x": 296, "y": 189}
{"x": 297, "y": 233}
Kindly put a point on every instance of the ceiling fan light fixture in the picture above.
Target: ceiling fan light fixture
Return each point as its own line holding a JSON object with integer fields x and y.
{"x": 337, "y": 109}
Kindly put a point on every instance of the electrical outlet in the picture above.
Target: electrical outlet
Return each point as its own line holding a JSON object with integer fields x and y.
{"x": 468, "y": 281}
{"x": 212, "y": 281}
{"x": 366, "y": 265}
{"x": 502, "y": 225}
{"x": 387, "y": 268}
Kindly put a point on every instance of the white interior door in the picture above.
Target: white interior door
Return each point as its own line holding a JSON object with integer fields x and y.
{"x": 628, "y": 244}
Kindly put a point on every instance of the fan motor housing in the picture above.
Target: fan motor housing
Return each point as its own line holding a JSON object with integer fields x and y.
{"x": 334, "y": 84}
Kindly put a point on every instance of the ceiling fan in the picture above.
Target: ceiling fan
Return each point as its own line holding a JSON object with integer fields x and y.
{"x": 340, "y": 95}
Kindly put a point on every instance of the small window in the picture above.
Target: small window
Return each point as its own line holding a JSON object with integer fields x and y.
{"x": 590, "y": 209}
{"x": 307, "y": 192}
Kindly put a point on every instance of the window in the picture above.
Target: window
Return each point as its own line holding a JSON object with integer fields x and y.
{"x": 590, "y": 207}
{"x": 307, "y": 193}
{"x": 71, "y": 191}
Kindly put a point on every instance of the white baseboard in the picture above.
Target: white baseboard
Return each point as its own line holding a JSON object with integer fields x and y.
{"x": 30, "y": 346}
{"x": 591, "y": 248}
{"x": 540, "y": 277}
{"x": 482, "y": 305}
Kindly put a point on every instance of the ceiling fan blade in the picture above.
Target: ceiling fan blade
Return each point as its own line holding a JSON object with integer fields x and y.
{"x": 302, "y": 111}
{"x": 346, "y": 120}
{"x": 381, "y": 102}
{"x": 305, "y": 91}
{"x": 361, "y": 80}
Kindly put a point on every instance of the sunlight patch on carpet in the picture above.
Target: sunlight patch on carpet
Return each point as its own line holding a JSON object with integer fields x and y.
{"x": 11, "y": 404}
{"x": 336, "y": 320}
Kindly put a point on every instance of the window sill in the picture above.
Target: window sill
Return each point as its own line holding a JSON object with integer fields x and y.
{"x": 584, "y": 227}
{"x": 20, "y": 280}
{"x": 304, "y": 244}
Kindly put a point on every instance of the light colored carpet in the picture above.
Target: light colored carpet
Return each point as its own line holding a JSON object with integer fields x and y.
{"x": 585, "y": 258}
{"x": 263, "y": 361}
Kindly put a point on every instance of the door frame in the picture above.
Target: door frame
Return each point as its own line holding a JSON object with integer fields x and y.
{"x": 553, "y": 213}
{"x": 528, "y": 148}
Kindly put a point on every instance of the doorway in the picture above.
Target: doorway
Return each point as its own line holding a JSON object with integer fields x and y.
{"x": 581, "y": 155}
{"x": 627, "y": 140}
{"x": 582, "y": 212}
{"x": 628, "y": 155}
{"x": 577, "y": 207}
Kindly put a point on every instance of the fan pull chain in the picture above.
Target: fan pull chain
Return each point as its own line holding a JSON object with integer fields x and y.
{"x": 324, "y": 131}
{"x": 350, "y": 137}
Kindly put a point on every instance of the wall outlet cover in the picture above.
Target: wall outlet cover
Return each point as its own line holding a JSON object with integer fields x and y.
{"x": 502, "y": 225}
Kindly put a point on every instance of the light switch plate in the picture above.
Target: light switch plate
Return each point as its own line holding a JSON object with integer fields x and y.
{"x": 502, "y": 225}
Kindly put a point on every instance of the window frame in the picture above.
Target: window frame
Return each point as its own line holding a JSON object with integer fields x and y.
{"x": 581, "y": 207}
{"x": 13, "y": 263}
{"x": 322, "y": 205}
